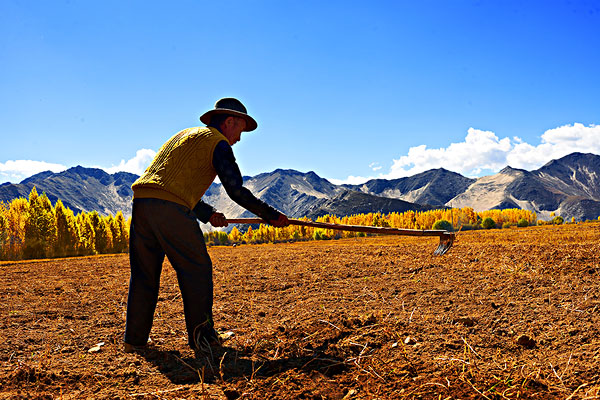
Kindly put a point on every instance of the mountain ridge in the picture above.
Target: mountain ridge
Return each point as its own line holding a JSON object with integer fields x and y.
{"x": 559, "y": 187}
{"x": 79, "y": 188}
{"x": 568, "y": 186}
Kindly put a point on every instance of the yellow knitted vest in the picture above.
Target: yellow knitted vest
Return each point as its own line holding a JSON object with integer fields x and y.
{"x": 182, "y": 169}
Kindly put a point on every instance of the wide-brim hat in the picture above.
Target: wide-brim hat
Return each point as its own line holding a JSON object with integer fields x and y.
{"x": 229, "y": 105}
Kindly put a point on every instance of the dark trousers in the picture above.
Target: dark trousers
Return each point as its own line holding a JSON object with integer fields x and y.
{"x": 160, "y": 227}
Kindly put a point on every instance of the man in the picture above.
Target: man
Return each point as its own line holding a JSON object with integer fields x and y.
{"x": 166, "y": 205}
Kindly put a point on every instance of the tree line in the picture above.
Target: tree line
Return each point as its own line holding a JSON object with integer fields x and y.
{"x": 458, "y": 218}
{"x": 33, "y": 228}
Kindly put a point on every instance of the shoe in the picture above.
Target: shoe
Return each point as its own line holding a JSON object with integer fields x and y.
{"x": 129, "y": 348}
{"x": 207, "y": 342}
{"x": 210, "y": 340}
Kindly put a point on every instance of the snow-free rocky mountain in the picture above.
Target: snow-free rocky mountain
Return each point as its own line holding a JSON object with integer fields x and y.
{"x": 436, "y": 187}
{"x": 298, "y": 194}
{"x": 79, "y": 188}
{"x": 569, "y": 186}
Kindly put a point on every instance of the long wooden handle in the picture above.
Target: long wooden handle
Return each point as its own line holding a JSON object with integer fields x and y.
{"x": 354, "y": 228}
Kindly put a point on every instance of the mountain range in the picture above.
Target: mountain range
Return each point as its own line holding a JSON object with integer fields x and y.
{"x": 569, "y": 186}
{"x": 79, "y": 188}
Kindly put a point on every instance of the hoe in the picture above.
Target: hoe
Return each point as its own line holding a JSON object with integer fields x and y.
{"x": 446, "y": 238}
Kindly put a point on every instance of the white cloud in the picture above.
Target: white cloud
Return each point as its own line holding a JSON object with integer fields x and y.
{"x": 351, "y": 180}
{"x": 483, "y": 151}
{"x": 15, "y": 171}
{"x": 480, "y": 151}
{"x": 556, "y": 143}
{"x": 135, "y": 165}
{"x": 375, "y": 166}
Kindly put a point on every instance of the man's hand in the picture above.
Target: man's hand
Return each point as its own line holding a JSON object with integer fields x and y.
{"x": 218, "y": 220}
{"x": 280, "y": 222}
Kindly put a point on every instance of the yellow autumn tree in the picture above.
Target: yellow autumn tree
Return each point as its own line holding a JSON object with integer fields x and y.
{"x": 66, "y": 231}
{"x": 121, "y": 240}
{"x": 85, "y": 231}
{"x": 110, "y": 239}
{"x": 33, "y": 228}
{"x": 102, "y": 239}
{"x": 248, "y": 235}
{"x": 40, "y": 228}
{"x": 118, "y": 232}
{"x": 3, "y": 231}
{"x": 15, "y": 225}
{"x": 235, "y": 236}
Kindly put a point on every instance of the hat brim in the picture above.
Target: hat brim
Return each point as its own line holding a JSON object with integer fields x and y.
{"x": 251, "y": 124}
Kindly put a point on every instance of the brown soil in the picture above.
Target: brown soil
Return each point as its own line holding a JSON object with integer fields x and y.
{"x": 508, "y": 313}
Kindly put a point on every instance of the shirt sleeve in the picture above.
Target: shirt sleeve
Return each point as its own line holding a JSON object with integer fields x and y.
{"x": 231, "y": 179}
{"x": 204, "y": 211}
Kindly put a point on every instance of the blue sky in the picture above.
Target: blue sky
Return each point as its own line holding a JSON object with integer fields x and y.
{"x": 351, "y": 90}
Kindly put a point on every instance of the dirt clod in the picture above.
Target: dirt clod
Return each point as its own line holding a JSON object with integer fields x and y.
{"x": 231, "y": 394}
{"x": 466, "y": 321}
{"x": 526, "y": 341}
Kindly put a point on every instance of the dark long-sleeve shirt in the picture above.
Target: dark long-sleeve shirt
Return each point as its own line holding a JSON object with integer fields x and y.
{"x": 231, "y": 178}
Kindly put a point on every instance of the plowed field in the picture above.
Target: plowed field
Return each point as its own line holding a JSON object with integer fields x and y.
{"x": 510, "y": 313}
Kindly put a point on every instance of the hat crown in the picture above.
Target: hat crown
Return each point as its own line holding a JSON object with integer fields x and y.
{"x": 229, "y": 103}
{"x": 231, "y": 106}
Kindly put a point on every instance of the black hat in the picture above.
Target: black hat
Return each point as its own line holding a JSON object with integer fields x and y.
{"x": 229, "y": 105}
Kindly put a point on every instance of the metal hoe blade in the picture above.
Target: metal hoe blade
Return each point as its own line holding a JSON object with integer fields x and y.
{"x": 446, "y": 242}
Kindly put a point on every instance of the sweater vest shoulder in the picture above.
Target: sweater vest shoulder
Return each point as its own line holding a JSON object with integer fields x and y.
{"x": 182, "y": 170}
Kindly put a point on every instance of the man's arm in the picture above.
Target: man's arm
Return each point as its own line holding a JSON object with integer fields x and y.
{"x": 204, "y": 211}
{"x": 231, "y": 179}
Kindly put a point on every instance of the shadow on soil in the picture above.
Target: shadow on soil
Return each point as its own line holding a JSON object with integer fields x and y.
{"x": 226, "y": 364}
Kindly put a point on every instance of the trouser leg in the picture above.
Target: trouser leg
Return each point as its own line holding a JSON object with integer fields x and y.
{"x": 188, "y": 255}
{"x": 196, "y": 285}
{"x": 146, "y": 259}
